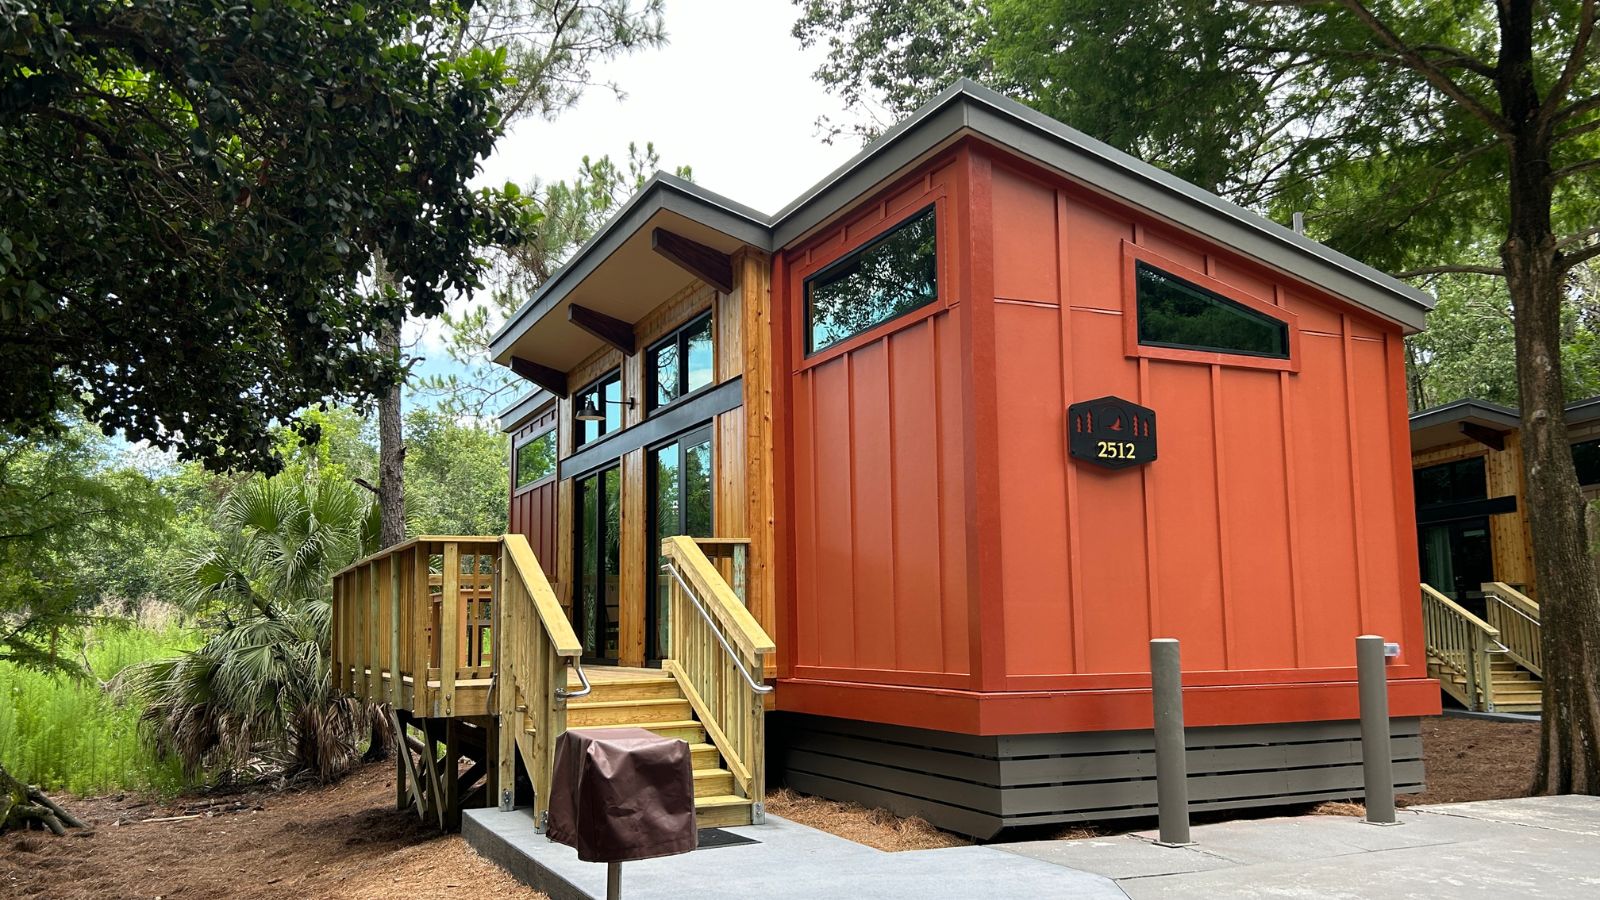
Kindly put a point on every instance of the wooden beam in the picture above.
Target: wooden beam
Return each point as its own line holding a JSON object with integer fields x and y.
{"x": 705, "y": 263}
{"x": 1494, "y": 440}
{"x": 552, "y": 380}
{"x": 613, "y": 331}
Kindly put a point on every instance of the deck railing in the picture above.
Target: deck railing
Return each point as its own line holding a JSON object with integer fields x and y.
{"x": 1516, "y": 616}
{"x": 419, "y": 584}
{"x": 532, "y": 682}
{"x": 1462, "y": 643}
{"x": 715, "y": 652}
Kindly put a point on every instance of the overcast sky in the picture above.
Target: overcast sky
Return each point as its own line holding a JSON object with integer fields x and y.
{"x": 731, "y": 95}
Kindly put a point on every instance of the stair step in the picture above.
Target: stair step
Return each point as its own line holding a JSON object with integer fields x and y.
{"x": 684, "y": 730}
{"x": 712, "y": 782}
{"x": 721, "y": 811}
{"x": 588, "y": 714}
{"x": 663, "y": 688}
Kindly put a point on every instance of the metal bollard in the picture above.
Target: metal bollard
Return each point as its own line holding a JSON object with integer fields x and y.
{"x": 1172, "y": 770}
{"x": 1377, "y": 763}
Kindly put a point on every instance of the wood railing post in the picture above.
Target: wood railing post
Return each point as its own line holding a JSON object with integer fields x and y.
{"x": 394, "y": 630}
{"x": 449, "y": 615}
{"x": 507, "y": 722}
{"x": 421, "y": 657}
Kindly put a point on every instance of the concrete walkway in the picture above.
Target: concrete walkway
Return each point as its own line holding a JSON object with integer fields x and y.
{"x": 1546, "y": 847}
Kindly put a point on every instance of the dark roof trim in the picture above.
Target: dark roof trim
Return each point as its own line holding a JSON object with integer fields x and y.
{"x": 1583, "y": 412}
{"x": 517, "y": 414}
{"x": 661, "y": 192}
{"x": 967, "y": 105}
{"x": 1466, "y": 409}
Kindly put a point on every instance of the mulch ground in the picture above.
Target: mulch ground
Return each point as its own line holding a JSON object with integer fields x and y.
{"x": 348, "y": 841}
{"x": 344, "y": 841}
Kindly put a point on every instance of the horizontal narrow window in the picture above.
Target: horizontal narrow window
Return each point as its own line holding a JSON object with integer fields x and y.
{"x": 1176, "y": 313}
{"x": 891, "y": 276}
{"x": 536, "y": 460}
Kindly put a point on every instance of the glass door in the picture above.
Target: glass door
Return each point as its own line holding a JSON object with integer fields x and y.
{"x": 596, "y": 570}
{"x": 680, "y": 503}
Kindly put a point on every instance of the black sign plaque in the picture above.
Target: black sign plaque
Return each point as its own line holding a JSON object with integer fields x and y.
{"x": 1111, "y": 432}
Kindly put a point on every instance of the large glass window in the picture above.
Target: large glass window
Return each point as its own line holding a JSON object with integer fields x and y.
{"x": 604, "y": 395}
{"x": 597, "y": 560}
{"x": 1451, "y": 482}
{"x": 1176, "y": 313}
{"x": 889, "y": 277}
{"x": 680, "y": 494}
{"x": 535, "y": 460}
{"x": 680, "y": 364}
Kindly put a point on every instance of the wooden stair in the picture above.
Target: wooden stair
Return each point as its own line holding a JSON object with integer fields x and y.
{"x": 652, "y": 699}
{"x": 1512, "y": 687}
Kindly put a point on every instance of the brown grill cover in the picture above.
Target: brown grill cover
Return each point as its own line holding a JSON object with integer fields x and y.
{"x": 622, "y": 793}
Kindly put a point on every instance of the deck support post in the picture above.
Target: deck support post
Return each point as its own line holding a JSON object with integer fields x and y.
{"x": 1377, "y": 761}
{"x": 1172, "y": 769}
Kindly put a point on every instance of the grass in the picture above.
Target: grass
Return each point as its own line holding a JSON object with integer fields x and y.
{"x": 68, "y": 734}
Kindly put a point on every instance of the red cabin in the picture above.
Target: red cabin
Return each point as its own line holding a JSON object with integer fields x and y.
{"x": 992, "y": 406}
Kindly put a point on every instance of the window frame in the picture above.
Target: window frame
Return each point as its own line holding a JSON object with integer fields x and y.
{"x": 1133, "y": 254}
{"x": 679, "y": 336}
{"x": 652, "y": 548}
{"x": 516, "y": 464}
{"x": 931, "y": 201}
{"x": 572, "y": 416}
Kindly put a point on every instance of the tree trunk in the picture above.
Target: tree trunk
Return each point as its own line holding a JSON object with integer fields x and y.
{"x": 1569, "y": 594}
{"x": 391, "y": 453}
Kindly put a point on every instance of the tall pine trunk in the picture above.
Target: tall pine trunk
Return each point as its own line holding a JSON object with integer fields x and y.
{"x": 391, "y": 452}
{"x": 1569, "y": 594}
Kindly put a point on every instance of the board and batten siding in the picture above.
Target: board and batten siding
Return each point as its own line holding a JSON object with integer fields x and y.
{"x": 533, "y": 506}
{"x": 1275, "y": 525}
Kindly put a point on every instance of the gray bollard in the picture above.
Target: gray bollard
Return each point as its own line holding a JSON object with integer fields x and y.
{"x": 1377, "y": 763}
{"x": 1172, "y": 770}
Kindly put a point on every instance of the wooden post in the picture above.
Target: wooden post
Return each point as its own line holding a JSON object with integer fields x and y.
{"x": 451, "y": 774}
{"x": 421, "y": 658}
{"x": 449, "y": 617}
{"x": 505, "y": 690}
{"x": 372, "y": 694}
{"x": 394, "y": 630}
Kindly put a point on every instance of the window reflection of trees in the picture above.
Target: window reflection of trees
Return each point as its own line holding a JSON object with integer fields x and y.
{"x": 1174, "y": 313}
{"x": 887, "y": 278}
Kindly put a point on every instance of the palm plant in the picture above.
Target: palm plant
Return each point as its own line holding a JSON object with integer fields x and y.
{"x": 259, "y": 687}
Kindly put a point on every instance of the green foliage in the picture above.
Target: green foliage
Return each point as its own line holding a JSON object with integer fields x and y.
{"x": 193, "y": 194}
{"x": 66, "y": 733}
{"x": 259, "y": 685}
{"x": 77, "y": 531}
{"x": 570, "y": 212}
{"x": 457, "y": 479}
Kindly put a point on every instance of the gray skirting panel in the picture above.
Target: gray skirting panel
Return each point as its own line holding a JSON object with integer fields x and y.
{"x": 979, "y": 785}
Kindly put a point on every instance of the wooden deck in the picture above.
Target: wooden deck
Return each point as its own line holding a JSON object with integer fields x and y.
{"x": 484, "y": 669}
{"x": 1488, "y": 664}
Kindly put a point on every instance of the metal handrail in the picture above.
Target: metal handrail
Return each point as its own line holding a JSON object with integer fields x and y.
{"x": 1513, "y": 607}
{"x": 583, "y": 679}
{"x": 716, "y": 632}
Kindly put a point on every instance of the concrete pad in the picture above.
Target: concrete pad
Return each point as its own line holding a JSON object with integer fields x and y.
{"x": 1575, "y": 813}
{"x": 790, "y": 860}
{"x": 1290, "y": 838}
{"x": 1123, "y": 856}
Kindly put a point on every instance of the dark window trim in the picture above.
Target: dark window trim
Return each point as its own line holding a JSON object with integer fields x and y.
{"x": 704, "y": 405}
{"x": 652, "y": 494}
{"x": 887, "y": 233}
{"x": 1465, "y": 509}
{"x": 518, "y": 445}
{"x": 1215, "y": 297}
{"x": 577, "y": 429}
{"x": 600, "y": 561}
{"x": 683, "y": 375}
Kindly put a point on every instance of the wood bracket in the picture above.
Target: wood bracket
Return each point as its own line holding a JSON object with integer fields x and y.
{"x": 705, "y": 263}
{"x": 550, "y": 379}
{"x": 1494, "y": 440}
{"x": 613, "y": 331}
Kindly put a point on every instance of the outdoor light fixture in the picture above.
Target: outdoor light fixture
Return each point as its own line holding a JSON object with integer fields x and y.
{"x": 590, "y": 411}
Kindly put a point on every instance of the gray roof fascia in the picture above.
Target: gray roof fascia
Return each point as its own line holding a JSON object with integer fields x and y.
{"x": 661, "y": 192}
{"x": 513, "y": 416}
{"x": 1466, "y": 409}
{"x": 1583, "y": 411}
{"x": 968, "y": 105}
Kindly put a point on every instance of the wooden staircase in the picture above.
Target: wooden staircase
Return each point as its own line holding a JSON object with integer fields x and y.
{"x": 653, "y": 700}
{"x": 1486, "y": 665}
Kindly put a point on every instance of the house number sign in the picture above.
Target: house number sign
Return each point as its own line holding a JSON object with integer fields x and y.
{"x": 1111, "y": 432}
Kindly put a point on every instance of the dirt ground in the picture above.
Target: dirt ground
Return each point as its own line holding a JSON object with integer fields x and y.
{"x": 344, "y": 841}
{"x": 348, "y": 841}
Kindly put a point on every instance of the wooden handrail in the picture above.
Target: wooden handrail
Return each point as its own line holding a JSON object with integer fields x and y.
{"x": 1461, "y": 611}
{"x": 558, "y": 629}
{"x": 738, "y": 625}
{"x": 1461, "y": 642}
{"x": 1517, "y": 616}
{"x": 1513, "y": 596}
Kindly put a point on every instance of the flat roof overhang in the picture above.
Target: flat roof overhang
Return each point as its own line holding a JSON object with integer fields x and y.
{"x": 621, "y": 275}
{"x": 1478, "y": 420}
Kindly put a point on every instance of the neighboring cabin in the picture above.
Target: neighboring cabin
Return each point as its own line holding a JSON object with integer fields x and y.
{"x": 994, "y": 404}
